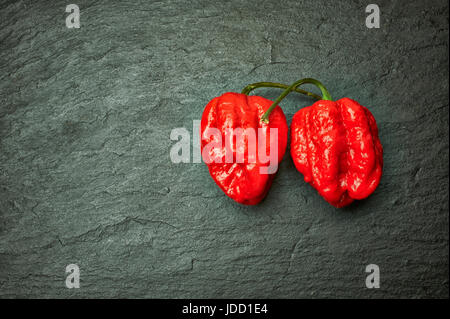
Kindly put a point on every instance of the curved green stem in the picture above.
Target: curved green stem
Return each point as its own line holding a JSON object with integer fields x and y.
{"x": 256, "y": 85}
{"x": 325, "y": 95}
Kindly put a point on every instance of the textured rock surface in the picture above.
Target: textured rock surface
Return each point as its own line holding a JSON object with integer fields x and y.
{"x": 85, "y": 173}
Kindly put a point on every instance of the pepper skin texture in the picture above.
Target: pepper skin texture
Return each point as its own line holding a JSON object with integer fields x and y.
{"x": 335, "y": 145}
{"x": 242, "y": 180}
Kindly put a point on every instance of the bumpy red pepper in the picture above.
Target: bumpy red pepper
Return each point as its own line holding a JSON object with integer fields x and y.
{"x": 244, "y": 180}
{"x": 335, "y": 145}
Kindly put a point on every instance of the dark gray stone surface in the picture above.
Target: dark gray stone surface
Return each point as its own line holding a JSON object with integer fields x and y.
{"x": 85, "y": 173}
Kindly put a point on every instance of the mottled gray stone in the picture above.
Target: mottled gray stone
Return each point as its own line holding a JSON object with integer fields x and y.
{"x": 85, "y": 174}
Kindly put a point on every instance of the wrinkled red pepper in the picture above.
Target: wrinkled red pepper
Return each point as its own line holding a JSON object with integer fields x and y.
{"x": 243, "y": 181}
{"x": 335, "y": 145}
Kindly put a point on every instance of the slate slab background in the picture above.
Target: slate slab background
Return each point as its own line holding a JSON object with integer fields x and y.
{"x": 85, "y": 173}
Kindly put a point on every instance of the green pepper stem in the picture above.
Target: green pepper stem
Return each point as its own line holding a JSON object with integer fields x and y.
{"x": 325, "y": 95}
{"x": 256, "y": 85}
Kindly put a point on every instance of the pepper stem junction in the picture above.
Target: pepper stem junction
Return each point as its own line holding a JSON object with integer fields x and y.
{"x": 256, "y": 85}
{"x": 293, "y": 87}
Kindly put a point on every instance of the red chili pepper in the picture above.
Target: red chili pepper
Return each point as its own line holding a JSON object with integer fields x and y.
{"x": 244, "y": 180}
{"x": 335, "y": 145}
